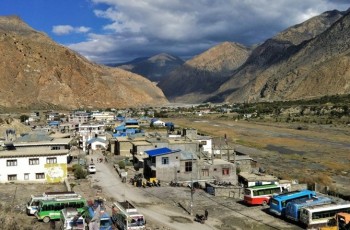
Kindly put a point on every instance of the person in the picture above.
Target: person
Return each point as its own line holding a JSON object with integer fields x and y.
{"x": 92, "y": 161}
{"x": 206, "y": 214}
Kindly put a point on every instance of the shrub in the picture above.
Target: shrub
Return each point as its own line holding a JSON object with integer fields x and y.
{"x": 80, "y": 173}
{"x": 121, "y": 164}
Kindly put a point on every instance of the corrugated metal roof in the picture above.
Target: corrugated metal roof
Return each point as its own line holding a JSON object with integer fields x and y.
{"x": 33, "y": 152}
{"x": 160, "y": 151}
{"x": 34, "y": 137}
{"x": 96, "y": 140}
{"x": 188, "y": 156}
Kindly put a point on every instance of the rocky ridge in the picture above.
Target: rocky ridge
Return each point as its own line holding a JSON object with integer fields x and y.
{"x": 37, "y": 73}
{"x": 199, "y": 77}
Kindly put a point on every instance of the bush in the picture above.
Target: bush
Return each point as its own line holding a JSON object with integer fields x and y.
{"x": 121, "y": 164}
{"x": 80, "y": 173}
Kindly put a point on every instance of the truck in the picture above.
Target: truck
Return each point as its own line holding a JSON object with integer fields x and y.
{"x": 71, "y": 219}
{"x": 126, "y": 217}
{"x": 33, "y": 203}
{"x": 97, "y": 216}
{"x": 341, "y": 221}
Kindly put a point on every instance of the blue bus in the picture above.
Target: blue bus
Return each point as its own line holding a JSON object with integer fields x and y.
{"x": 278, "y": 203}
{"x": 293, "y": 208}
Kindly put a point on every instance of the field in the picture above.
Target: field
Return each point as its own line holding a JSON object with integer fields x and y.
{"x": 308, "y": 153}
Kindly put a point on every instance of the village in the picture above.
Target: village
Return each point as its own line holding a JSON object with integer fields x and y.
{"x": 152, "y": 165}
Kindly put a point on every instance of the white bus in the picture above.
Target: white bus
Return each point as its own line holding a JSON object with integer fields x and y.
{"x": 317, "y": 216}
{"x": 33, "y": 203}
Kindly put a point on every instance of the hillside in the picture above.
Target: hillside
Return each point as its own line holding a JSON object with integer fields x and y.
{"x": 153, "y": 68}
{"x": 202, "y": 75}
{"x": 314, "y": 68}
{"x": 37, "y": 73}
{"x": 273, "y": 51}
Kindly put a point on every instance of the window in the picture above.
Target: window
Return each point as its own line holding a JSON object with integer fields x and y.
{"x": 165, "y": 160}
{"x": 26, "y": 176}
{"x": 51, "y": 160}
{"x": 33, "y": 161}
{"x": 39, "y": 176}
{"x": 225, "y": 171}
{"x": 188, "y": 166}
{"x": 205, "y": 172}
{"x": 12, "y": 177}
{"x": 11, "y": 162}
{"x": 55, "y": 148}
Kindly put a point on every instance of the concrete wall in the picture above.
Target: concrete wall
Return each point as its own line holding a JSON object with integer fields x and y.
{"x": 229, "y": 191}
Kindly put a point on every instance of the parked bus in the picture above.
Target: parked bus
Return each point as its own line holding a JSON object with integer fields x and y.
{"x": 258, "y": 195}
{"x": 33, "y": 203}
{"x": 126, "y": 217}
{"x": 50, "y": 209}
{"x": 292, "y": 211}
{"x": 278, "y": 203}
{"x": 318, "y": 216}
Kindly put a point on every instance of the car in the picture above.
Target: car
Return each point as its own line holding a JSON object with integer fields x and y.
{"x": 91, "y": 168}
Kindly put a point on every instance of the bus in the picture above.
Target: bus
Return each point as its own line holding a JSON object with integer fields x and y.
{"x": 126, "y": 217}
{"x": 50, "y": 209}
{"x": 260, "y": 195}
{"x": 33, "y": 203}
{"x": 278, "y": 203}
{"x": 292, "y": 211}
{"x": 318, "y": 216}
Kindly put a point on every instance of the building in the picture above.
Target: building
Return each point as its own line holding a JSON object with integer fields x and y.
{"x": 167, "y": 164}
{"x": 79, "y": 117}
{"x": 103, "y": 116}
{"x": 36, "y": 160}
{"x": 97, "y": 143}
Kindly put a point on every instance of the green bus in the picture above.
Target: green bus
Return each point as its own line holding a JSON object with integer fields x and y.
{"x": 50, "y": 209}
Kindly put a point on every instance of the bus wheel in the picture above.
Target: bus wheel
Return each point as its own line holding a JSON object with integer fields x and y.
{"x": 46, "y": 219}
{"x": 264, "y": 203}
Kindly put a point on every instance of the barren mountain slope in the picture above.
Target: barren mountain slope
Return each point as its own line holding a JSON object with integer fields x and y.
{"x": 200, "y": 76}
{"x": 316, "y": 68}
{"x": 155, "y": 67}
{"x": 276, "y": 50}
{"x": 38, "y": 73}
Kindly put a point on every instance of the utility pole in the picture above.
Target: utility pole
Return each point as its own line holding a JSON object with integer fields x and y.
{"x": 191, "y": 205}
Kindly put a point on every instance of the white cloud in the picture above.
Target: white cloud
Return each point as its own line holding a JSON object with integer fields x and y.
{"x": 185, "y": 28}
{"x": 62, "y": 29}
{"x": 67, "y": 29}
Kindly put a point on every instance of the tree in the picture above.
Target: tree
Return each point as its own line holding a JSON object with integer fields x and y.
{"x": 79, "y": 172}
{"x": 24, "y": 118}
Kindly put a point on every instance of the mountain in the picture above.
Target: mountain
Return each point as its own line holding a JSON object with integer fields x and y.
{"x": 37, "y": 73}
{"x": 199, "y": 77}
{"x": 153, "y": 68}
{"x": 305, "y": 61}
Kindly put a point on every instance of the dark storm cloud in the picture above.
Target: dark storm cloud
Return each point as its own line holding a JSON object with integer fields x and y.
{"x": 186, "y": 28}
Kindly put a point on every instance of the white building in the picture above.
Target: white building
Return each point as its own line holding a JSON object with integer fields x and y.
{"x": 103, "y": 116}
{"x": 98, "y": 143}
{"x": 34, "y": 161}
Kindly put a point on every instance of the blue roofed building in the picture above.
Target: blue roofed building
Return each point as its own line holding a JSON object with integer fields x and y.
{"x": 167, "y": 165}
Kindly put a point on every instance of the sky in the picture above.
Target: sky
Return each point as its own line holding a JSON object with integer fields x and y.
{"x": 116, "y": 31}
